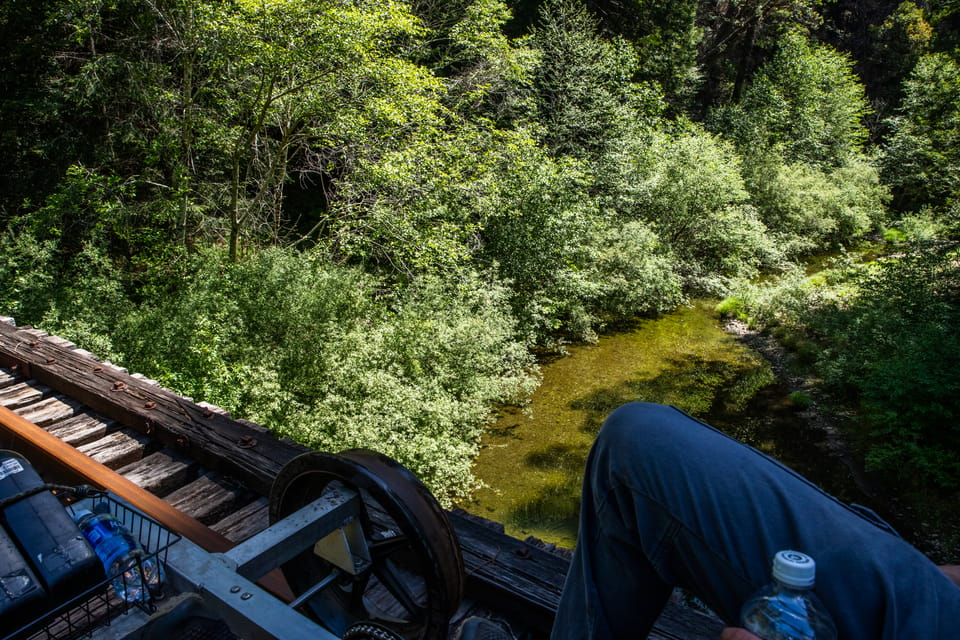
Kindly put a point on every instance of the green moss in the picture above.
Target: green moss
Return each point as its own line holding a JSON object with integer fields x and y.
{"x": 731, "y": 308}
{"x": 800, "y": 399}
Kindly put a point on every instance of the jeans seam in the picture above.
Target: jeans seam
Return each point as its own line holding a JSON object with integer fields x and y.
{"x": 656, "y": 557}
{"x": 881, "y": 525}
{"x": 664, "y": 543}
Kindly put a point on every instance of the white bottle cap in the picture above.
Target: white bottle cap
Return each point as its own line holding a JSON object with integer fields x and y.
{"x": 794, "y": 569}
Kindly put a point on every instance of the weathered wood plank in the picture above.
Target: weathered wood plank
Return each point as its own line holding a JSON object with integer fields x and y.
{"x": 117, "y": 449}
{"x": 209, "y": 498}
{"x": 19, "y": 395}
{"x": 161, "y": 472}
{"x": 83, "y": 428}
{"x": 509, "y": 574}
{"x": 243, "y": 523}
{"x": 678, "y": 622}
{"x": 9, "y": 377}
{"x": 50, "y": 410}
{"x": 214, "y": 408}
{"x": 216, "y": 441}
{"x": 60, "y": 342}
{"x": 150, "y": 381}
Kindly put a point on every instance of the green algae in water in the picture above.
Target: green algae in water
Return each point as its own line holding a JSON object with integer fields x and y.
{"x": 532, "y": 459}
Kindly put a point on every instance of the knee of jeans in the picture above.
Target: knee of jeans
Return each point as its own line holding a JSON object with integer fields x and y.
{"x": 639, "y": 429}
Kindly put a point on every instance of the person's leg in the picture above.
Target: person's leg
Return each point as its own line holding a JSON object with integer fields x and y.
{"x": 669, "y": 501}
{"x": 610, "y": 567}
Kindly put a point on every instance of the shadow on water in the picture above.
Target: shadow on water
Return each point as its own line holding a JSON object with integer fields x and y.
{"x": 532, "y": 459}
{"x": 560, "y": 457}
{"x": 697, "y": 385}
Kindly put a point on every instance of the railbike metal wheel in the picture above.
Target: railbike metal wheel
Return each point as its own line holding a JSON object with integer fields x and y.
{"x": 368, "y": 631}
{"x": 412, "y": 581}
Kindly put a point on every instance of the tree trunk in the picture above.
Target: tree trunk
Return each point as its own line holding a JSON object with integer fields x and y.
{"x": 182, "y": 177}
{"x": 746, "y": 58}
{"x": 235, "y": 208}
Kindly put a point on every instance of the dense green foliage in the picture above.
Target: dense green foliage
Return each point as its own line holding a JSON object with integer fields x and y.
{"x": 355, "y": 220}
{"x": 323, "y": 355}
{"x": 923, "y": 151}
{"x": 883, "y": 334}
{"x": 805, "y": 105}
{"x": 898, "y": 347}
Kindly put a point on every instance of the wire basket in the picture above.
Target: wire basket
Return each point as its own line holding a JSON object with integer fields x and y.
{"x": 98, "y": 605}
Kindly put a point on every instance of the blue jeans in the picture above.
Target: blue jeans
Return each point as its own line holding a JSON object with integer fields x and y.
{"x": 670, "y": 501}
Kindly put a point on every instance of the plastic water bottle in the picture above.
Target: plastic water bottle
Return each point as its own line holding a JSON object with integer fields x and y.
{"x": 135, "y": 576}
{"x": 787, "y": 608}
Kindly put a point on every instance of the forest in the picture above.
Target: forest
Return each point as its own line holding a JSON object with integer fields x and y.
{"x": 361, "y": 222}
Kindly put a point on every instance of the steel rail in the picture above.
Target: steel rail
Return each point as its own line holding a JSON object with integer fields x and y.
{"x": 50, "y": 453}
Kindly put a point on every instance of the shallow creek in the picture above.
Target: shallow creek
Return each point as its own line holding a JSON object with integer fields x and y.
{"x": 532, "y": 458}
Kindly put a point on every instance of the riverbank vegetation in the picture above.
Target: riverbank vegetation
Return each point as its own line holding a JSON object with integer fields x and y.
{"x": 356, "y": 221}
{"x": 880, "y": 335}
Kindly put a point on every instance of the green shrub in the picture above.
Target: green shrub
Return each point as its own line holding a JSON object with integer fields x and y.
{"x": 809, "y": 208}
{"x": 57, "y": 270}
{"x": 923, "y": 227}
{"x": 894, "y": 235}
{"x": 897, "y": 346}
{"x": 731, "y": 307}
{"x": 685, "y": 183}
{"x": 800, "y": 399}
{"x": 883, "y": 335}
{"x": 330, "y": 357}
{"x": 634, "y": 274}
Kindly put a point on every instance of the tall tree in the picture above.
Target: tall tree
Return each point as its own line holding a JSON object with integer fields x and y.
{"x": 740, "y": 36}
{"x": 896, "y": 46}
{"x": 922, "y": 160}
{"x": 582, "y": 82}
{"x": 665, "y": 34}
{"x": 945, "y": 17}
{"x": 27, "y": 115}
{"x": 74, "y": 78}
{"x": 280, "y": 88}
{"x": 488, "y": 75}
{"x": 805, "y": 104}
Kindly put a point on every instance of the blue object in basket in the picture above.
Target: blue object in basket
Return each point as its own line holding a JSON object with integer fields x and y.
{"x": 45, "y": 534}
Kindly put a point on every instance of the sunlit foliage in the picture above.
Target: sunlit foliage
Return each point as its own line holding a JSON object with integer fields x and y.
{"x": 355, "y": 220}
